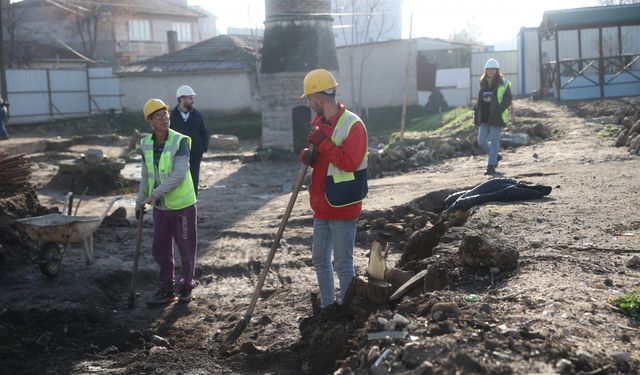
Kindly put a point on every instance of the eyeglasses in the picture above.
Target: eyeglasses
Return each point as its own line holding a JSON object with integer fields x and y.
{"x": 159, "y": 115}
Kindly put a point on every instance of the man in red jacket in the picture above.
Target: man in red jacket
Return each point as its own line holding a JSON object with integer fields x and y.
{"x": 338, "y": 154}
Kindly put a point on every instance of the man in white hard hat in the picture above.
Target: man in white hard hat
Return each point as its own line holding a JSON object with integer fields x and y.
{"x": 187, "y": 120}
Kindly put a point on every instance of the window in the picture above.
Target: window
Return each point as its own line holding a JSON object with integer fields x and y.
{"x": 184, "y": 31}
{"x": 139, "y": 30}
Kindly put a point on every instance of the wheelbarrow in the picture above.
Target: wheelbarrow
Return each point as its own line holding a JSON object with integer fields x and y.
{"x": 55, "y": 233}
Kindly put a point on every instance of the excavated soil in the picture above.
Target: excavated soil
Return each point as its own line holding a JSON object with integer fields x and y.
{"x": 550, "y": 315}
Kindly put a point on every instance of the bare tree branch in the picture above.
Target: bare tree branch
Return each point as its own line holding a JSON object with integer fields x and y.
{"x": 363, "y": 15}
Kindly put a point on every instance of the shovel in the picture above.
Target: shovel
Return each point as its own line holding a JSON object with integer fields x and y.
{"x": 263, "y": 275}
{"x": 136, "y": 256}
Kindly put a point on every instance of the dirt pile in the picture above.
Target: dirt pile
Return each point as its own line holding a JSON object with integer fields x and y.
{"x": 622, "y": 116}
{"x": 446, "y": 333}
{"x": 396, "y": 224}
{"x": 15, "y": 247}
{"x": 412, "y": 154}
{"x": 93, "y": 173}
{"x": 328, "y": 335}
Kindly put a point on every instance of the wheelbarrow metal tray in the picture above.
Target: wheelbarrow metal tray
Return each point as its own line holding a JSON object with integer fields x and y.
{"x": 60, "y": 228}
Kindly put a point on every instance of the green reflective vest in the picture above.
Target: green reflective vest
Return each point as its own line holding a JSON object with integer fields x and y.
{"x": 501, "y": 90}
{"x": 346, "y": 188}
{"x": 184, "y": 195}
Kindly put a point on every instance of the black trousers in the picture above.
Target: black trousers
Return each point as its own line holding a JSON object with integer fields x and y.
{"x": 194, "y": 167}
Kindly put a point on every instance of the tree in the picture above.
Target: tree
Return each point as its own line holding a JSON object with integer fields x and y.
{"x": 471, "y": 34}
{"x": 11, "y": 20}
{"x": 88, "y": 17}
{"x": 369, "y": 21}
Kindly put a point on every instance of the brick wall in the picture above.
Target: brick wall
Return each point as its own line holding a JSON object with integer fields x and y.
{"x": 276, "y": 7}
{"x": 298, "y": 38}
{"x": 280, "y": 93}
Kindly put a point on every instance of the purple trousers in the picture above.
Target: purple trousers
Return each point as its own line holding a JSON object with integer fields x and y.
{"x": 181, "y": 226}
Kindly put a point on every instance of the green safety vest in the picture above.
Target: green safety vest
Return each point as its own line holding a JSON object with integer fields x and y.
{"x": 184, "y": 195}
{"x": 501, "y": 90}
{"x": 346, "y": 188}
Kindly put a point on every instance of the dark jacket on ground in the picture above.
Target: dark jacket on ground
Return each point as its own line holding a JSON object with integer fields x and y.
{"x": 495, "y": 113}
{"x": 495, "y": 190}
{"x": 194, "y": 127}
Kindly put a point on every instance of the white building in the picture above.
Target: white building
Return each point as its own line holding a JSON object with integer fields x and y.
{"x": 433, "y": 64}
{"x": 360, "y": 21}
{"x": 221, "y": 70}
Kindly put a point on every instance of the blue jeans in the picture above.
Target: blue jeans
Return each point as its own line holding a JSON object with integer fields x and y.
{"x": 339, "y": 237}
{"x": 3, "y": 131}
{"x": 489, "y": 140}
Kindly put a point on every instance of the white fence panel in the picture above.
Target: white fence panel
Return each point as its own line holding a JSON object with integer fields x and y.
{"x": 104, "y": 89}
{"x": 69, "y": 91}
{"x": 38, "y": 94}
{"x": 27, "y": 90}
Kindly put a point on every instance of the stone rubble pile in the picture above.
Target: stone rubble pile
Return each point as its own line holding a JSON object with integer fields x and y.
{"x": 409, "y": 155}
{"x": 629, "y": 135}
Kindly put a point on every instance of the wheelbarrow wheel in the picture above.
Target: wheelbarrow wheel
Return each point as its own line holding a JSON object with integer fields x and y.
{"x": 50, "y": 257}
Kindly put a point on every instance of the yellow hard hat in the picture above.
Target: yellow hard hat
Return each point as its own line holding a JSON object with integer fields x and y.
{"x": 153, "y": 105}
{"x": 318, "y": 80}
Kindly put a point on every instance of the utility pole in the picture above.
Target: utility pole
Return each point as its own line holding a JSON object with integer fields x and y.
{"x": 3, "y": 74}
{"x": 405, "y": 89}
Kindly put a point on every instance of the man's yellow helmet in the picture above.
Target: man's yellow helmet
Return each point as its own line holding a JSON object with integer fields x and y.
{"x": 153, "y": 105}
{"x": 318, "y": 80}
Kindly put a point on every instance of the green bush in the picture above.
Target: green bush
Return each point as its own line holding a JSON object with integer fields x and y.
{"x": 450, "y": 123}
{"x": 629, "y": 303}
{"x": 384, "y": 121}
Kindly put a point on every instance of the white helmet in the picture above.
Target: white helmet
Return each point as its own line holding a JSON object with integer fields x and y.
{"x": 492, "y": 64}
{"x": 185, "y": 90}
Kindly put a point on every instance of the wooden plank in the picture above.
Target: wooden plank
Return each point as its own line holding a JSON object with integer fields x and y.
{"x": 406, "y": 287}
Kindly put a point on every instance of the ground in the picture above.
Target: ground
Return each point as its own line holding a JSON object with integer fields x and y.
{"x": 552, "y": 314}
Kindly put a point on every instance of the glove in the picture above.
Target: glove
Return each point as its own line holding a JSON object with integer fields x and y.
{"x": 307, "y": 156}
{"x": 316, "y": 136}
{"x": 139, "y": 211}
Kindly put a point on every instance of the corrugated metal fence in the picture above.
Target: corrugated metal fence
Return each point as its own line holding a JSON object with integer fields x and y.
{"x": 508, "y": 66}
{"x": 40, "y": 94}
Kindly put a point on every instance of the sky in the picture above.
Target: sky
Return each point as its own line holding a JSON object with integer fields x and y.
{"x": 497, "y": 21}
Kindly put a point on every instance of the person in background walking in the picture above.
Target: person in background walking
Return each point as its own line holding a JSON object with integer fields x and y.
{"x": 338, "y": 154}
{"x": 187, "y": 120}
{"x": 492, "y": 111}
{"x": 4, "y": 134}
{"x": 166, "y": 185}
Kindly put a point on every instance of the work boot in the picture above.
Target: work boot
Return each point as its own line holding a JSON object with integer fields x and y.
{"x": 185, "y": 296}
{"x": 491, "y": 170}
{"x": 162, "y": 298}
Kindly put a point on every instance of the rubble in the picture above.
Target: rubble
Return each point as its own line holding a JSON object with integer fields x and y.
{"x": 479, "y": 252}
{"x": 633, "y": 263}
{"x": 623, "y": 113}
{"x": 410, "y": 154}
{"x": 224, "y": 142}
{"x": 93, "y": 173}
